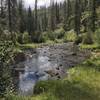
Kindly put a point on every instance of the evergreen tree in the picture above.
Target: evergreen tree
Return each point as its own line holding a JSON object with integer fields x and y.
{"x": 14, "y": 16}
{"x": 65, "y": 15}
{"x": 57, "y": 13}
{"x": 52, "y": 16}
{"x": 21, "y": 19}
{"x": 9, "y": 15}
{"x": 77, "y": 16}
{"x": 2, "y": 17}
{"x": 30, "y": 25}
{"x": 45, "y": 19}
{"x": 12, "y": 4}
{"x": 93, "y": 28}
{"x": 36, "y": 16}
{"x": 21, "y": 16}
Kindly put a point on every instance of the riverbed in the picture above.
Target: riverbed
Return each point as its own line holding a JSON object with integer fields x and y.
{"x": 49, "y": 62}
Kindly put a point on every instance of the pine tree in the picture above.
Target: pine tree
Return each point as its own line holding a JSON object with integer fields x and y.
{"x": 77, "y": 16}
{"x": 36, "y": 16}
{"x": 12, "y": 4}
{"x": 45, "y": 19}
{"x": 52, "y": 16}
{"x": 57, "y": 13}
{"x": 2, "y": 17}
{"x": 14, "y": 16}
{"x": 30, "y": 25}
{"x": 9, "y": 16}
{"x": 21, "y": 19}
{"x": 93, "y": 28}
{"x": 65, "y": 15}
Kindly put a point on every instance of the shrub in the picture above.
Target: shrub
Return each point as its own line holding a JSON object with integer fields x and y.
{"x": 79, "y": 39}
{"x": 59, "y": 33}
{"x": 70, "y": 36}
{"x": 87, "y": 38}
{"x": 26, "y": 38}
{"x": 97, "y": 36}
{"x": 20, "y": 38}
{"x": 51, "y": 36}
{"x": 38, "y": 37}
{"x": 45, "y": 36}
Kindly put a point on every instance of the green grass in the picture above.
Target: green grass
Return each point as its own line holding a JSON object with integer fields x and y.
{"x": 93, "y": 46}
{"x": 32, "y": 45}
{"x": 37, "y": 45}
{"x": 81, "y": 83}
{"x": 21, "y": 47}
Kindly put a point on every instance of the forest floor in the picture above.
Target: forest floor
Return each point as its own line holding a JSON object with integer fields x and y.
{"x": 81, "y": 83}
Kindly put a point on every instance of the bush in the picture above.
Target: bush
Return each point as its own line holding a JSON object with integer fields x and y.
{"x": 97, "y": 36}
{"x": 87, "y": 39}
{"x": 57, "y": 34}
{"x": 20, "y": 38}
{"x": 70, "y": 36}
{"x": 79, "y": 39}
{"x": 51, "y": 36}
{"x": 38, "y": 37}
{"x": 45, "y": 36}
{"x": 26, "y": 38}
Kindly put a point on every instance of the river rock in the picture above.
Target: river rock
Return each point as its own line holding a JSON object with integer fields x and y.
{"x": 20, "y": 57}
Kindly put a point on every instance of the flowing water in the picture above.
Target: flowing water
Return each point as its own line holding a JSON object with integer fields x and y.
{"x": 35, "y": 67}
{"x": 45, "y": 63}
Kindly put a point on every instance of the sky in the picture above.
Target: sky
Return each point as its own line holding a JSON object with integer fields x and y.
{"x": 40, "y": 2}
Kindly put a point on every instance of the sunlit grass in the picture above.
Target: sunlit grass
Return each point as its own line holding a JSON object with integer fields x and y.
{"x": 93, "y": 46}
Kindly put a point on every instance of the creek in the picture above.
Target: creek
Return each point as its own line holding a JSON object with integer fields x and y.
{"x": 46, "y": 63}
